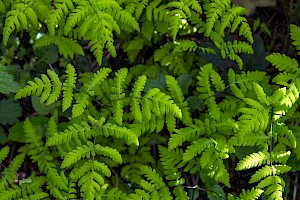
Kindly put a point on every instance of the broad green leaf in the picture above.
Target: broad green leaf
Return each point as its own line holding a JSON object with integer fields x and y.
{"x": 10, "y": 111}
{"x": 7, "y": 83}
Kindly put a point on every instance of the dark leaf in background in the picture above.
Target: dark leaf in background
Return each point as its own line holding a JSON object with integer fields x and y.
{"x": 16, "y": 132}
{"x": 257, "y": 60}
{"x": 41, "y": 108}
{"x": 158, "y": 82}
{"x": 184, "y": 82}
{"x": 7, "y": 83}
{"x": 9, "y": 111}
{"x": 49, "y": 54}
{"x": 3, "y": 138}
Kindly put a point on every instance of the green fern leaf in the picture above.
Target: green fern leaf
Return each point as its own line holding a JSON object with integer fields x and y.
{"x": 283, "y": 62}
{"x": 15, "y": 20}
{"x": 177, "y": 96}
{"x": 118, "y": 95}
{"x": 68, "y": 86}
{"x": 118, "y": 132}
{"x": 254, "y": 160}
{"x": 197, "y": 147}
{"x": 83, "y": 100}
{"x": 254, "y": 193}
{"x": 77, "y": 154}
{"x": 153, "y": 177}
{"x": 56, "y": 15}
{"x": 294, "y": 32}
{"x": 261, "y": 95}
{"x": 136, "y": 97}
{"x": 268, "y": 171}
{"x": 185, "y": 45}
{"x": 275, "y": 186}
{"x": 43, "y": 87}
{"x": 3, "y": 153}
{"x": 90, "y": 165}
{"x": 162, "y": 103}
{"x": 109, "y": 152}
{"x": 66, "y": 46}
{"x": 9, "y": 174}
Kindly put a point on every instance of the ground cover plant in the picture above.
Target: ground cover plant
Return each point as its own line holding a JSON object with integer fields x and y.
{"x": 139, "y": 99}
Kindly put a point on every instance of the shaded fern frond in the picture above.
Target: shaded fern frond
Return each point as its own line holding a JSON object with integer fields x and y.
{"x": 118, "y": 95}
{"x": 86, "y": 151}
{"x": 66, "y": 46}
{"x": 177, "y": 96}
{"x": 208, "y": 79}
{"x": 136, "y": 97}
{"x": 3, "y": 153}
{"x": 68, "y": 86}
{"x": 9, "y": 174}
{"x": 82, "y": 100}
{"x": 294, "y": 32}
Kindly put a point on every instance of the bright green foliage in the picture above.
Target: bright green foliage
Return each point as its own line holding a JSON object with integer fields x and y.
{"x": 160, "y": 129}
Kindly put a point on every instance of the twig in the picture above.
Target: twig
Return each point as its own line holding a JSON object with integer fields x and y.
{"x": 295, "y": 187}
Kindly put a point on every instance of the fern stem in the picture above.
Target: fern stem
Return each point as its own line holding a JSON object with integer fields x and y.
{"x": 271, "y": 142}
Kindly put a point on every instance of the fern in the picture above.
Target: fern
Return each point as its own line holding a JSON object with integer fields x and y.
{"x": 268, "y": 171}
{"x": 294, "y": 32}
{"x": 9, "y": 174}
{"x": 118, "y": 94}
{"x": 66, "y": 46}
{"x": 68, "y": 87}
{"x": 254, "y": 160}
{"x": 207, "y": 78}
{"x": 283, "y": 62}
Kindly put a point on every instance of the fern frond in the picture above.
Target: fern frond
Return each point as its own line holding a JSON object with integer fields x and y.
{"x": 43, "y": 87}
{"x": 152, "y": 175}
{"x": 57, "y": 15}
{"x": 161, "y": 103}
{"x": 261, "y": 95}
{"x": 229, "y": 17}
{"x": 206, "y": 79}
{"x": 84, "y": 151}
{"x": 118, "y": 95}
{"x": 3, "y": 153}
{"x": 136, "y": 97}
{"x": 294, "y": 32}
{"x": 197, "y": 147}
{"x": 268, "y": 171}
{"x": 117, "y": 132}
{"x": 185, "y": 45}
{"x": 213, "y": 10}
{"x": 177, "y": 96}
{"x": 254, "y": 160}
{"x": 254, "y": 193}
{"x": 283, "y": 63}
{"x": 275, "y": 186}
{"x": 91, "y": 165}
{"x": 109, "y": 152}
{"x": 83, "y": 100}
{"x": 66, "y": 46}
{"x": 9, "y": 174}
{"x": 15, "y": 20}
{"x": 68, "y": 86}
